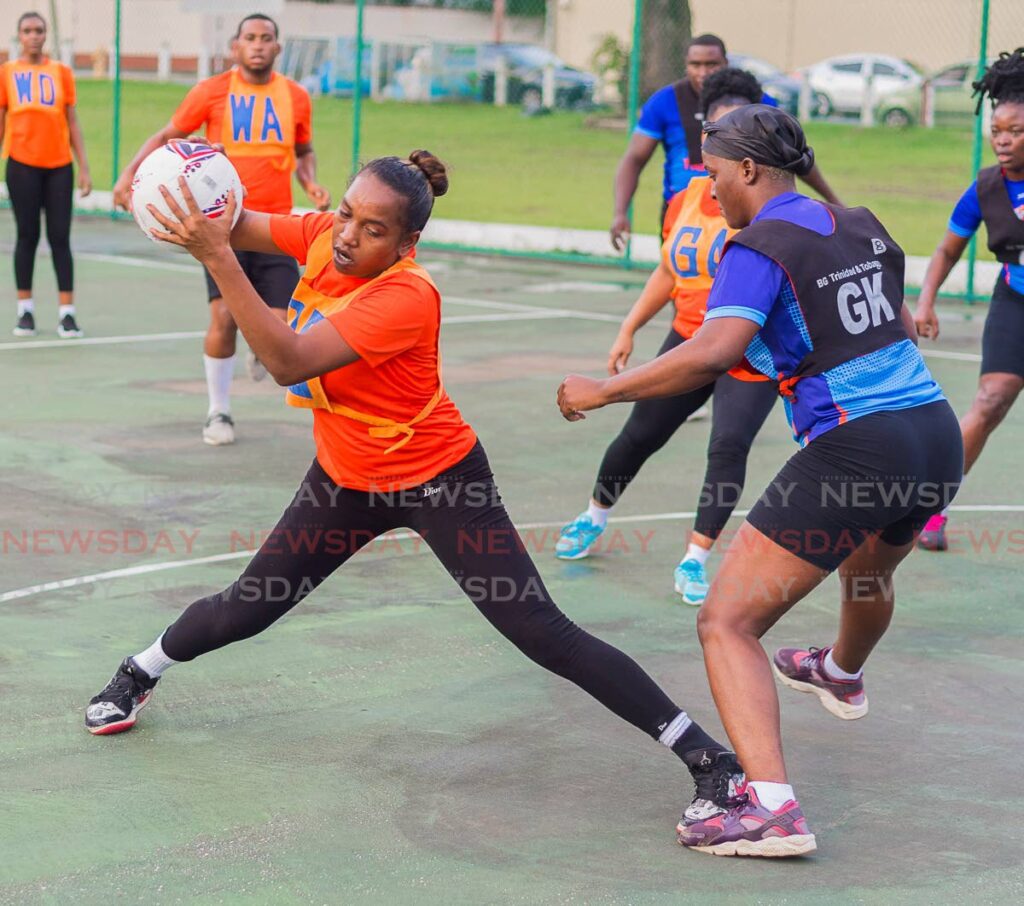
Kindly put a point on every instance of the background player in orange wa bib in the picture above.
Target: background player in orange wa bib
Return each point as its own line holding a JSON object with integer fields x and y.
{"x": 263, "y": 119}
{"x": 39, "y": 129}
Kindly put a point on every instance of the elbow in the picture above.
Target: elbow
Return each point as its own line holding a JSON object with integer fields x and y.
{"x": 285, "y": 376}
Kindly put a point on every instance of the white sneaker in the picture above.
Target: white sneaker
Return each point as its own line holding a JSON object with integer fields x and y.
{"x": 257, "y": 370}
{"x": 219, "y": 430}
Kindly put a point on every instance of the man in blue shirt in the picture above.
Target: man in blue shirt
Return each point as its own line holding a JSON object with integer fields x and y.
{"x": 672, "y": 117}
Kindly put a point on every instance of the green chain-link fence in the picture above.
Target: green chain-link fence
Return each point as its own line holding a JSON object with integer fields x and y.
{"x": 532, "y": 102}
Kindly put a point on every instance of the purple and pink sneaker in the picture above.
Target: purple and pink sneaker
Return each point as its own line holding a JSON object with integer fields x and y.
{"x": 933, "y": 535}
{"x": 751, "y": 829}
{"x": 804, "y": 670}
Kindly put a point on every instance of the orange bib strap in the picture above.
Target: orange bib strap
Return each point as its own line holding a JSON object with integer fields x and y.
{"x": 310, "y": 306}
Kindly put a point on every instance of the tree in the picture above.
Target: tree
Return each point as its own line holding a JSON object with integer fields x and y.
{"x": 666, "y": 28}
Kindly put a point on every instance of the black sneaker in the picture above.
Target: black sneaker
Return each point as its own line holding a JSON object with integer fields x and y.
{"x": 68, "y": 328}
{"x": 26, "y": 326}
{"x": 720, "y": 783}
{"x": 116, "y": 708}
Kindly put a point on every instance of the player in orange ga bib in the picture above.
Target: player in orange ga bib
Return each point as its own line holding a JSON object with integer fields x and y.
{"x": 263, "y": 120}
{"x": 392, "y": 452}
{"x": 694, "y": 234}
{"x": 40, "y": 129}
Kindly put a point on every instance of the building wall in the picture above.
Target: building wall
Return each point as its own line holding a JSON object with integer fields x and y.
{"x": 795, "y": 33}
{"x": 188, "y": 27}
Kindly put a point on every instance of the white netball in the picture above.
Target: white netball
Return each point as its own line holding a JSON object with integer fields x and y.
{"x": 209, "y": 174}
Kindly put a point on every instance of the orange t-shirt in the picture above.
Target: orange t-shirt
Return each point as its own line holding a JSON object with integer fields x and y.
{"x": 37, "y": 97}
{"x": 693, "y": 235}
{"x": 394, "y": 327}
{"x": 252, "y": 116}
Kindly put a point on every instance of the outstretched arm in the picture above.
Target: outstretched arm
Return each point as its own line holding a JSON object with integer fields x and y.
{"x": 627, "y": 177}
{"x": 305, "y": 173}
{"x": 942, "y": 261}
{"x": 717, "y": 346}
{"x": 655, "y": 295}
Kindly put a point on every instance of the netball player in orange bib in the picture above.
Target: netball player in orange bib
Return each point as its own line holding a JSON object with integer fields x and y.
{"x": 392, "y": 450}
{"x": 695, "y": 232}
{"x": 263, "y": 120}
{"x": 40, "y": 130}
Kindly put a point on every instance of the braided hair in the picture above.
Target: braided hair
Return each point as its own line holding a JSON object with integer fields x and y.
{"x": 732, "y": 86}
{"x": 1003, "y": 81}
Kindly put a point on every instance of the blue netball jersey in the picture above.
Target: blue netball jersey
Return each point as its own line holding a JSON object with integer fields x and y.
{"x": 967, "y": 218}
{"x": 659, "y": 119}
{"x": 751, "y": 285}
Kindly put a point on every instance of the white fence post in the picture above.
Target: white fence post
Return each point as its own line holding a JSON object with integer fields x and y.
{"x": 928, "y": 104}
{"x": 67, "y": 53}
{"x": 500, "y": 81}
{"x": 163, "y": 62}
{"x": 203, "y": 68}
{"x": 804, "y": 100}
{"x": 547, "y": 90}
{"x": 375, "y": 65}
{"x": 867, "y": 107}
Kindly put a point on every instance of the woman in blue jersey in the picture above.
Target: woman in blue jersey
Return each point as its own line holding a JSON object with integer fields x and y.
{"x": 811, "y": 294}
{"x": 996, "y": 198}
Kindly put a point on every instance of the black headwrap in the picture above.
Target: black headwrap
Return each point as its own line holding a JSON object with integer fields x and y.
{"x": 767, "y": 135}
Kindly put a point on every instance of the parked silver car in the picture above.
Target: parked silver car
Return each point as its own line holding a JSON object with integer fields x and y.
{"x": 839, "y": 84}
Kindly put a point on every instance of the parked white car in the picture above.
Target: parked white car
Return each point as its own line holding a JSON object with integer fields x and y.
{"x": 839, "y": 84}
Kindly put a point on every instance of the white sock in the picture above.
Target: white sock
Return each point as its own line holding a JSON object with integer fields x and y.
{"x": 698, "y": 553}
{"x": 218, "y": 382}
{"x": 772, "y": 795}
{"x": 680, "y": 724}
{"x": 837, "y": 672}
{"x": 63, "y": 310}
{"x": 598, "y": 514}
{"x": 153, "y": 660}
{"x": 25, "y": 305}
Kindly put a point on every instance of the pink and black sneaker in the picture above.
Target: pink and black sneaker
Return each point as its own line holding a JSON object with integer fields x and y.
{"x": 804, "y": 670}
{"x": 751, "y": 829}
{"x": 933, "y": 535}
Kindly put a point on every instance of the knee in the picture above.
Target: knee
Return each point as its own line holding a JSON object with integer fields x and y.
{"x": 552, "y": 647}
{"x": 29, "y": 235}
{"x": 221, "y": 322}
{"x": 715, "y": 625}
{"x": 992, "y": 402}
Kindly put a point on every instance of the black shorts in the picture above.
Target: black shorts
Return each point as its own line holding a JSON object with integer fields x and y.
{"x": 1002, "y": 342}
{"x": 273, "y": 276}
{"x": 879, "y": 475}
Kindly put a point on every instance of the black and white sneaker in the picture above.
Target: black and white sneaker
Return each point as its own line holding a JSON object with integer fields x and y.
{"x": 26, "y": 326}
{"x": 68, "y": 328}
{"x": 720, "y": 783}
{"x": 117, "y": 707}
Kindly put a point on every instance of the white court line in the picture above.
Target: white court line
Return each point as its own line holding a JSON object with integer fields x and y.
{"x": 955, "y": 356}
{"x": 95, "y": 578}
{"x": 103, "y": 341}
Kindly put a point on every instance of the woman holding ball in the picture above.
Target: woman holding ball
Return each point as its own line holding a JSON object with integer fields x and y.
{"x": 392, "y": 450}
{"x": 40, "y": 130}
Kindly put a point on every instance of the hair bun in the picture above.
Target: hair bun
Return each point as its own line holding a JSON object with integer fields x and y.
{"x": 433, "y": 169}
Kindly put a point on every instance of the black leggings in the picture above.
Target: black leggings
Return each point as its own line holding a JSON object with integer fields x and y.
{"x": 741, "y": 408}
{"x": 461, "y": 517}
{"x": 33, "y": 190}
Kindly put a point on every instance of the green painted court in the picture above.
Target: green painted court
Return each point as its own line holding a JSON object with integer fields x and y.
{"x": 382, "y": 743}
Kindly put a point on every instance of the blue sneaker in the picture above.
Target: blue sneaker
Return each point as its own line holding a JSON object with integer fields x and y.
{"x": 577, "y": 537}
{"x": 691, "y": 582}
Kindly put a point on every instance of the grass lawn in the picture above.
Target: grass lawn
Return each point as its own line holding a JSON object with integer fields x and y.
{"x": 555, "y": 171}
